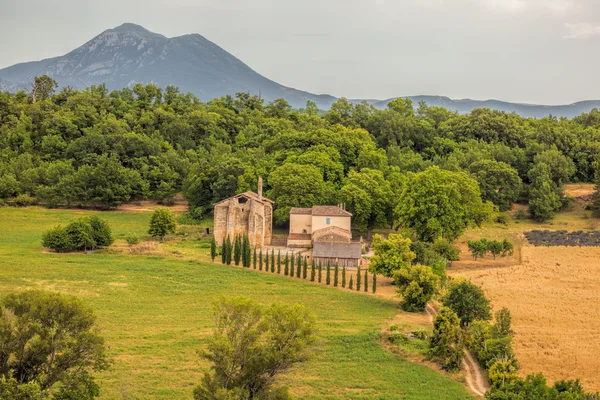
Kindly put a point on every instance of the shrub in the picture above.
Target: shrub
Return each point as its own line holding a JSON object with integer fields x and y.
{"x": 398, "y": 338}
{"x": 445, "y": 249}
{"x": 508, "y": 248}
{"x": 58, "y": 240}
{"x": 162, "y": 222}
{"x": 495, "y": 247}
{"x": 81, "y": 234}
{"x": 132, "y": 239}
{"x": 391, "y": 254}
{"x": 23, "y": 200}
{"x": 468, "y": 302}
{"x": 101, "y": 231}
{"x": 502, "y": 219}
{"x": 416, "y": 286}
{"x": 478, "y": 248}
{"x": 521, "y": 214}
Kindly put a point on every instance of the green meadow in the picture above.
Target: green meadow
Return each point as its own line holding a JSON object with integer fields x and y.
{"x": 155, "y": 314}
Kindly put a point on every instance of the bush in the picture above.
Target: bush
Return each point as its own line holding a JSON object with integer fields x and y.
{"x": 447, "y": 342}
{"x": 23, "y": 200}
{"x": 101, "y": 231}
{"x": 478, "y": 248}
{"x": 162, "y": 223}
{"x": 502, "y": 219}
{"x": 132, "y": 238}
{"x": 58, "y": 240}
{"x": 81, "y": 234}
{"x": 416, "y": 285}
{"x": 445, "y": 249}
{"x": 521, "y": 214}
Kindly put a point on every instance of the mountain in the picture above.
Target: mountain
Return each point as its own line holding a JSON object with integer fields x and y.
{"x": 128, "y": 54}
{"x": 525, "y": 110}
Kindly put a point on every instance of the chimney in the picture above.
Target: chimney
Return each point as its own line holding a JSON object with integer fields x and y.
{"x": 260, "y": 184}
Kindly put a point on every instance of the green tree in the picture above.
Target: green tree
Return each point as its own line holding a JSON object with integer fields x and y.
{"x": 468, "y": 302}
{"x": 50, "y": 346}
{"x": 286, "y": 271}
{"x": 499, "y": 182}
{"x": 350, "y": 284}
{"x": 299, "y": 266}
{"x": 267, "y": 260}
{"x": 304, "y": 269}
{"x": 478, "y": 248}
{"x": 344, "y": 276}
{"x": 162, "y": 223}
{"x": 295, "y": 185}
{"x": 312, "y": 270}
{"x": 229, "y": 251}
{"x": 272, "y": 261}
{"x": 251, "y": 346}
{"x": 437, "y": 203}
{"x": 101, "y": 232}
{"x": 495, "y": 247}
{"x": 447, "y": 342}
{"x": 254, "y": 259}
{"x": 292, "y": 262}
{"x": 224, "y": 252}
{"x": 58, "y": 239}
{"x": 42, "y": 88}
{"x": 328, "y": 273}
{"x": 416, "y": 286}
{"x": 544, "y": 194}
{"x": 366, "y": 285}
{"x": 237, "y": 250}
{"x": 320, "y": 272}
{"x": 374, "y": 282}
{"x": 358, "y": 278}
{"x": 213, "y": 249}
{"x": 391, "y": 254}
{"x": 278, "y": 262}
{"x": 336, "y": 272}
{"x": 260, "y": 260}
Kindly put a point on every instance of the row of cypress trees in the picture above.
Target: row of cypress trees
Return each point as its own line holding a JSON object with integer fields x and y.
{"x": 294, "y": 266}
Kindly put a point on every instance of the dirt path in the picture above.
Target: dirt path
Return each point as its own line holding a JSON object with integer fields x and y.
{"x": 474, "y": 373}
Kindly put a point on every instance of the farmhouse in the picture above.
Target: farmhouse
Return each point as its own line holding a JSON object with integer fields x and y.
{"x": 327, "y": 230}
{"x": 247, "y": 213}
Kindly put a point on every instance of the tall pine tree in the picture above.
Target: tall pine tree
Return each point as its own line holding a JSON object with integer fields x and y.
{"x": 293, "y": 260}
{"x": 328, "y": 275}
{"x": 272, "y": 260}
{"x": 278, "y": 262}
{"x": 350, "y": 284}
{"x": 254, "y": 259}
{"x": 299, "y": 266}
{"x": 224, "y": 252}
{"x": 260, "y": 260}
{"x": 358, "y": 278}
{"x": 267, "y": 260}
{"x": 366, "y": 280}
{"x": 320, "y": 271}
{"x": 312, "y": 270}
{"x": 286, "y": 270}
{"x": 344, "y": 276}
{"x": 305, "y": 269}
{"x": 374, "y": 282}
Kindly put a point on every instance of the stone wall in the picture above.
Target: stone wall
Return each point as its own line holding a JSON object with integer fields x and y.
{"x": 249, "y": 217}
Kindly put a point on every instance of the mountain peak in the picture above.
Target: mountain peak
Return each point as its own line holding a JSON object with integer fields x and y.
{"x": 130, "y": 27}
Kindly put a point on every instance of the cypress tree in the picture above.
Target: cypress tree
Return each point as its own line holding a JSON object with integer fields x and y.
{"x": 344, "y": 277}
{"x": 286, "y": 271}
{"x": 305, "y": 269}
{"x": 293, "y": 259}
{"x": 374, "y": 282}
{"x": 336, "y": 272}
{"x": 247, "y": 252}
{"x": 328, "y": 276}
{"x": 358, "y": 278}
{"x": 254, "y": 259}
{"x": 278, "y": 262}
{"x": 229, "y": 251}
{"x": 267, "y": 261}
{"x": 366, "y": 280}
{"x": 312, "y": 270}
{"x": 298, "y": 266}
{"x": 224, "y": 252}
{"x": 260, "y": 260}
{"x": 237, "y": 251}
{"x": 244, "y": 259}
{"x": 320, "y": 271}
{"x": 272, "y": 260}
{"x": 350, "y": 284}
{"x": 213, "y": 249}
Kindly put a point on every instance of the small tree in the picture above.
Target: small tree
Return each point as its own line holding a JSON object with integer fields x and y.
{"x": 162, "y": 223}
{"x": 101, "y": 231}
{"x": 286, "y": 271}
{"x": 391, "y": 254}
{"x": 305, "y": 269}
{"x": 366, "y": 285}
{"x": 251, "y": 346}
{"x": 272, "y": 261}
{"x": 495, "y": 247}
{"x": 223, "y": 252}
{"x": 260, "y": 260}
{"x": 350, "y": 284}
{"x": 299, "y": 266}
{"x": 358, "y": 278}
{"x": 292, "y": 262}
{"x": 507, "y": 248}
{"x": 267, "y": 260}
{"x": 328, "y": 273}
{"x": 213, "y": 249}
{"x": 278, "y": 262}
{"x": 58, "y": 239}
{"x": 237, "y": 250}
{"x": 313, "y": 270}
{"x": 468, "y": 302}
{"x": 336, "y": 272}
{"x": 320, "y": 272}
{"x": 478, "y": 248}
{"x": 344, "y": 276}
{"x": 229, "y": 248}
{"x": 254, "y": 259}
{"x": 447, "y": 341}
{"x": 374, "y": 282}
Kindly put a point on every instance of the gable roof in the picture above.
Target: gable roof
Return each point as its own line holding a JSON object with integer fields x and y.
{"x": 249, "y": 195}
{"x": 330, "y": 211}
{"x": 332, "y": 234}
{"x": 337, "y": 250}
{"x": 298, "y": 210}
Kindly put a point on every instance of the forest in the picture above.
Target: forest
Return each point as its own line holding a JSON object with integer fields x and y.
{"x": 92, "y": 148}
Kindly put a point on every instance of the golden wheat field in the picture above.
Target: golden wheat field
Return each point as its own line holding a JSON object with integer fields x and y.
{"x": 554, "y": 298}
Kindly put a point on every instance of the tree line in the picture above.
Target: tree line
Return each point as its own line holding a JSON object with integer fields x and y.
{"x": 96, "y": 148}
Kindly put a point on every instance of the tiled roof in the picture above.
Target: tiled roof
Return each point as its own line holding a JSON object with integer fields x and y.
{"x": 299, "y": 236}
{"x": 250, "y": 195}
{"x": 337, "y": 250}
{"x": 297, "y": 210}
{"x": 330, "y": 211}
{"x": 332, "y": 234}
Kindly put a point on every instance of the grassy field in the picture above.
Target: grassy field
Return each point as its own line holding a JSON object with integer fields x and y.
{"x": 154, "y": 312}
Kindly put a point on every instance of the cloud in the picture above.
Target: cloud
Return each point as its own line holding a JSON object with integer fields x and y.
{"x": 555, "y": 6}
{"x": 581, "y": 30}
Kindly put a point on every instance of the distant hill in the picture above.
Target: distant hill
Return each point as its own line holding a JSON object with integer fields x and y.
{"x": 128, "y": 54}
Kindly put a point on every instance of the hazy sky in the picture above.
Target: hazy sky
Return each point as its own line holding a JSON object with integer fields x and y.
{"x": 542, "y": 51}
